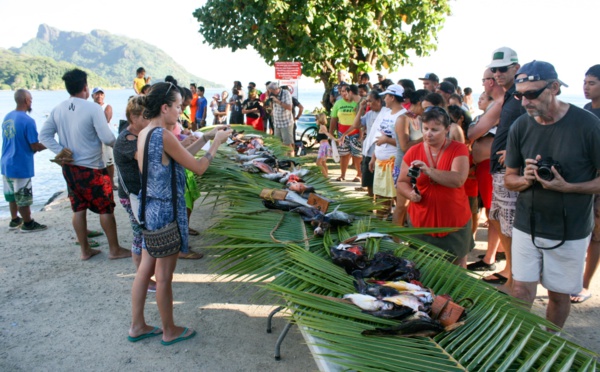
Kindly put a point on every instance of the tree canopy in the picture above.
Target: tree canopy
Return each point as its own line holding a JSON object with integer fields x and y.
{"x": 326, "y": 36}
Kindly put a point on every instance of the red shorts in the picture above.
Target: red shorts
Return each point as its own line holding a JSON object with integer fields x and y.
{"x": 484, "y": 182}
{"x": 256, "y": 123}
{"x": 89, "y": 189}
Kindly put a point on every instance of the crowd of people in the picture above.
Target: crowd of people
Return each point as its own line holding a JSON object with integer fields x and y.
{"x": 530, "y": 160}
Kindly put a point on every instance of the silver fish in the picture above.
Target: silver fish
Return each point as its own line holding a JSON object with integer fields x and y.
{"x": 273, "y": 176}
{"x": 365, "y": 236}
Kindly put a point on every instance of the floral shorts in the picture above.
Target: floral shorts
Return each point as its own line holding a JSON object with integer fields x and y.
{"x": 89, "y": 189}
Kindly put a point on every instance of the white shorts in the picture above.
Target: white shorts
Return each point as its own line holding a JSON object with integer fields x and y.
{"x": 107, "y": 155}
{"x": 559, "y": 270}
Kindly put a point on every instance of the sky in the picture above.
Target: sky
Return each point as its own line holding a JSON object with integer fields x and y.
{"x": 556, "y": 31}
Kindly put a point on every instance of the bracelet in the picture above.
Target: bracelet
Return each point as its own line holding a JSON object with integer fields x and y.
{"x": 208, "y": 157}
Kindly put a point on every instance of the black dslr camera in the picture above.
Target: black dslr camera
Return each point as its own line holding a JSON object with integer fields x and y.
{"x": 413, "y": 174}
{"x": 545, "y": 168}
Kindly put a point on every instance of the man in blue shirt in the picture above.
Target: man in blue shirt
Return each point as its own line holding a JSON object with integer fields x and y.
{"x": 201, "y": 105}
{"x": 19, "y": 143}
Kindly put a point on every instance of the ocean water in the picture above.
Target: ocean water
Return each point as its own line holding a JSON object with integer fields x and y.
{"x": 48, "y": 176}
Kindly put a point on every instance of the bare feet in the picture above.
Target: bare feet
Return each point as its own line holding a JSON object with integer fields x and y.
{"x": 121, "y": 253}
{"x": 90, "y": 254}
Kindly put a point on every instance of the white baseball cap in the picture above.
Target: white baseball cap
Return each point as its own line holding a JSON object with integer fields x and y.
{"x": 503, "y": 57}
{"x": 394, "y": 90}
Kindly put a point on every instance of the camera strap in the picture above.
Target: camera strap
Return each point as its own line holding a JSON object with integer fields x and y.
{"x": 532, "y": 223}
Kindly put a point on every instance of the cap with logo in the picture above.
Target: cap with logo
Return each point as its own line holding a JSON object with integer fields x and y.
{"x": 97, "y": 89}
{"x": 536, "y": 71}
{"x": 394, "y": 90}
{"x": 431, "y": 77}
{"x": 503, "y": 57}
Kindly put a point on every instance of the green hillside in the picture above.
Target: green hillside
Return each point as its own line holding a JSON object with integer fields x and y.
{"x": 113, "y": 57}
{"x": 22, "y": 71}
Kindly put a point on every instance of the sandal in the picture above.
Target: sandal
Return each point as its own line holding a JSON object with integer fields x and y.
{"x": 92, "y": 243}
{"x": 498, "y": 279}
{"x": 190, "y": 256}
{"x": 340, "y": 179}
{"x": 193, "y": 232}
{"x": 356, "y": 179}
{"x": 481, "y": 266}
{"x": 94, "y": 233}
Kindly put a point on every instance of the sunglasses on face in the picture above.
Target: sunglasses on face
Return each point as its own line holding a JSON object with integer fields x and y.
{"x": 530, "y": 94}
{"x": 501, "y": 69}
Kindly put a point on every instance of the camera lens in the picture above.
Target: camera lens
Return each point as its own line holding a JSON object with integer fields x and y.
{"x": 545, "y": 173}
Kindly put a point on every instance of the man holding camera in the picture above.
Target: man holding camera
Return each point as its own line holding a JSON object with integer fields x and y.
{"x": 552, "y": 158}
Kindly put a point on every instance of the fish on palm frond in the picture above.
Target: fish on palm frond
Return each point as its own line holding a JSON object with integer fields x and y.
{"x": 398, "y": 313}
{"x": 400, "y": 285}
{"x": 244, "y": 158}
{"x": 300, "y": 187}
{"x": 286, "y": 164}
{"x": 273, "y": 176}
{"x": 349, "y": 261}
{"x": 425, "y": 297}
{"x": 250, "y": 169}
{"x": 386, "y": 266}
{"x": 381, "y": 291}
{"x": 339, "y": 218}
{"x": 368, "y": 303}
{"x": 367, "y": 235}
{"x": 405, "y": 300}
{"x": 282, "y": 205}
{"x": 262, "y": 166}
{"x": 408, "y": 328}
{"x": 307, "y": 214}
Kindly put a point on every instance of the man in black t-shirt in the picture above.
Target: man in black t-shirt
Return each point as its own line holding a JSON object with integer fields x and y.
{"x": 504, "y": 66}
{"x": 552, "y": 159}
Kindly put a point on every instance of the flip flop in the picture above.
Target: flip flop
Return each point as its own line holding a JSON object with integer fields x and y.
{"x": 91, "y": 242}
{"x": 340, "y": 179}
{"x": 583, "y": 298}
{"x": 152, "y": 333}
{"x": 193, "y": 232}
{"x": 179, "y": 339}
{"x": 191, "y": 256}
{"x": 500, "y": 279}
{"x": 94, "y": 233}
{"x": 356, "y": 179}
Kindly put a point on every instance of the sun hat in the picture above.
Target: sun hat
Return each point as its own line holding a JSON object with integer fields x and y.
{"x": 430, "y": 76}
{"x": 97, "y": 89}
{"x": 536, "y": 71}
{"x": 394, "y": 90}
{"x": 503, "y": 57}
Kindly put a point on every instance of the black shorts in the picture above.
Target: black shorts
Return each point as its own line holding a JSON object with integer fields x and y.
{"x": 367, "y": 175}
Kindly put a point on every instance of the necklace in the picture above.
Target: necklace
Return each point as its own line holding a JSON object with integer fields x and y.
{"x": 432, "y": 158}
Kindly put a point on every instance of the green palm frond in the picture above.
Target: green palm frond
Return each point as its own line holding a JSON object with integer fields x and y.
{"x": 279, "y": 251}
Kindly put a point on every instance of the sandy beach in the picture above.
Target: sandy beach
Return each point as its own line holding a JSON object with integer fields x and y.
{"x": 60, "y": 313}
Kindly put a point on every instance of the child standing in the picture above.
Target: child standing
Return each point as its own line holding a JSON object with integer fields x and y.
{"x": 324, "y": 147}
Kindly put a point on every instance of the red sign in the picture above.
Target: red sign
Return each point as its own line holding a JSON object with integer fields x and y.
{"x": 288, "y": 70}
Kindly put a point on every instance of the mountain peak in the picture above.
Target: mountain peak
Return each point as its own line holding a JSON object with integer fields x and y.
{"x": 47, "y": 33}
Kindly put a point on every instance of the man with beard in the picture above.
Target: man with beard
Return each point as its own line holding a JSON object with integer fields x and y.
{"x": 19, "y": 143}
{"x": 552, "y": 160}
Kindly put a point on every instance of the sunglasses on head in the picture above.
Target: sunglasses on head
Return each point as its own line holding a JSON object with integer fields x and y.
{"x": 438, "y": 110}
{"x": 530, "y": 94}
{"x": 170, "y": 86}
{"x": 502, "y": 69}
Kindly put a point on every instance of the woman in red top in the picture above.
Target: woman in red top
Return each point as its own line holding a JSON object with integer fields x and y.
{"x": 439, "y": 199}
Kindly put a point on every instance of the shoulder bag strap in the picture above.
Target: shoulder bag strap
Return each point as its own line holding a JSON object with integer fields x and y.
{"x": 145, "y": 180}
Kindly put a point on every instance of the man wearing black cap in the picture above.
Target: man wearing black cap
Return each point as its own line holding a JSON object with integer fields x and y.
{"x": 552, "y": 159}
{"x": 430, "y": 81}
{"x": 446, "y": 89}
